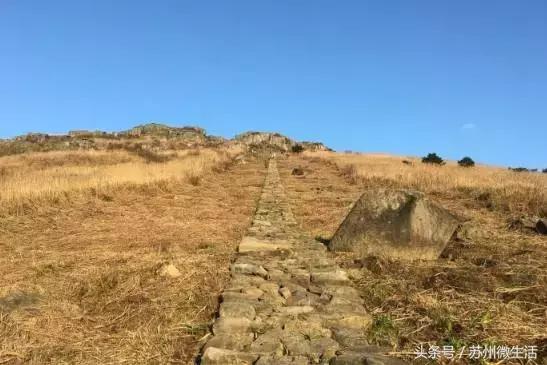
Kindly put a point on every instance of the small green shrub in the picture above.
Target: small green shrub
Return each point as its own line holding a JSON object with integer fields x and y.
{"x": 383, "y": 331}
{"x": 519, "y": 169}
{"x": 433, "y": 158}
{"x": 466, "y": 162}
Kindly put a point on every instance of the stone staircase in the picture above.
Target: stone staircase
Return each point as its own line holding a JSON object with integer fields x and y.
{"x": 287, "y": 302}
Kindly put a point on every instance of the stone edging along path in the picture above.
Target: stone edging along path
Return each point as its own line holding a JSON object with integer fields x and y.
{"x": 287, "y": 301}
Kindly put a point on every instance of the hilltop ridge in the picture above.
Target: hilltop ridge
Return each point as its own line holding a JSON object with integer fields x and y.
{"x": 152, "y": 135}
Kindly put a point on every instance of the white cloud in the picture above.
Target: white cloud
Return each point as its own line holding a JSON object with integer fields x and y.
{"x": 469, "y": 126}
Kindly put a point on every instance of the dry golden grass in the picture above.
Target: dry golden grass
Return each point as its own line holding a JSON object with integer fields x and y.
{"x": 517, "y": 192}
{"x": 84, "y": 234}
{"x": 33, "y": 179}
{"x": 80, "y": 278}
{"x": 489, "y": 289}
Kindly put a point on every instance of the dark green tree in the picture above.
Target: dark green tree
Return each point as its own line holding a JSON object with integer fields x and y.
{"x": 466, "y": 162}
{"x": 433, "y": 158}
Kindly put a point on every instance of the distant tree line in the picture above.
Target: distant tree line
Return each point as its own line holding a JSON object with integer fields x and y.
{"x": 433, "y": 158}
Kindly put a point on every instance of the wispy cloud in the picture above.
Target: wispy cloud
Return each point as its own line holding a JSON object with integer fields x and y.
{"x": 469, "y": 126}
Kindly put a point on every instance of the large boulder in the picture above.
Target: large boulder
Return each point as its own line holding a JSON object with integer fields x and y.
{"x": 399, "y": 224}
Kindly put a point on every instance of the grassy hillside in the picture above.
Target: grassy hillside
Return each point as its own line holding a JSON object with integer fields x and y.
{"x": 489, "y": 286}
{"x": 85, "y": 235}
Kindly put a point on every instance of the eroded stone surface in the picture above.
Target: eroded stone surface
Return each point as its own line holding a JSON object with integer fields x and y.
{"x": 402, "y": 224}
{"x": 287, "y": 302}
{"x": 216, "y": 356}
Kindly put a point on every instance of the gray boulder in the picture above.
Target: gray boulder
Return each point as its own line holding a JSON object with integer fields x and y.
{"x": 399, "y": 224}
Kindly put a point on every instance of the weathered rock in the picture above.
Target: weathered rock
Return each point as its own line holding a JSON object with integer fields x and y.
{"x": 395, "y": 223}
{"x": 350, "y": 338}
{"x": 301, "y": 277}
{"x": 346, "y": 292}
{"x": 269, "y": 343}
{"x": 359, "y": 321}
{"x": 266, "y": 139}
{"x": 227, "y": 325}
{"x": 282, "y": 360}
{"x": 323, "y": 348}
{"x": 285, "y": 292}
{"x": 310, "y": 327}
{"x": 296, "y": 344}
{"x": 364, "y": 358}
{"x": 334, "y": 277}
{"x": 349, "y": 359}
{"x": 216, "y": 356}
{"x": 230, "y": 341}
{"x": 299, "y": 298}
{"x": 250, "y": 269}
{"x": 237, "y": 309}
{"x": 270, "y": 288}
{"x": 295, "y": 310}
{"x": 170, "y": 271}
{"x": 243, "y": 281}
{"x": 375, "y": 359}
{"x": 253, "y": 292}
{"x": 262, "y": 222}
{"x": 252, "y": 244}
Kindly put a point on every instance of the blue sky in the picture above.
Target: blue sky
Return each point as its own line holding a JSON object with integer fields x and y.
{"x": 406, "y": 77}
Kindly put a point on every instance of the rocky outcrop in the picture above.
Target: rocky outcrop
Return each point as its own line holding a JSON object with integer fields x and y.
{"x": 162, "y": 130}
{"x": 314, "y": 146}
{"x": 265, "y": 138}
{"x": 176, "y": 137}
{"x": 89, "y": 134}
{"x": 276, "y": 141}
{"x": 398, "y": 224}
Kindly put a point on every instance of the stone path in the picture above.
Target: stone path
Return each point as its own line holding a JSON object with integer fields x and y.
{"x": 287, "y": 301}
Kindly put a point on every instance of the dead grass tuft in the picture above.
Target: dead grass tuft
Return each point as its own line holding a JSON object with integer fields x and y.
{"x": 193, "y": 178}
{"x": 350, "y": 173}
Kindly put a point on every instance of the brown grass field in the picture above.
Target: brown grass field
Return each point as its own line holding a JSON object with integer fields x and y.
{"x": 84, "y": 234}
{"x": 489, "y": 289}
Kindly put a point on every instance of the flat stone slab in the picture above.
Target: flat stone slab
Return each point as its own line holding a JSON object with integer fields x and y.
{"x": 216, "y": 356}
{"x": 253, "y": 244}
